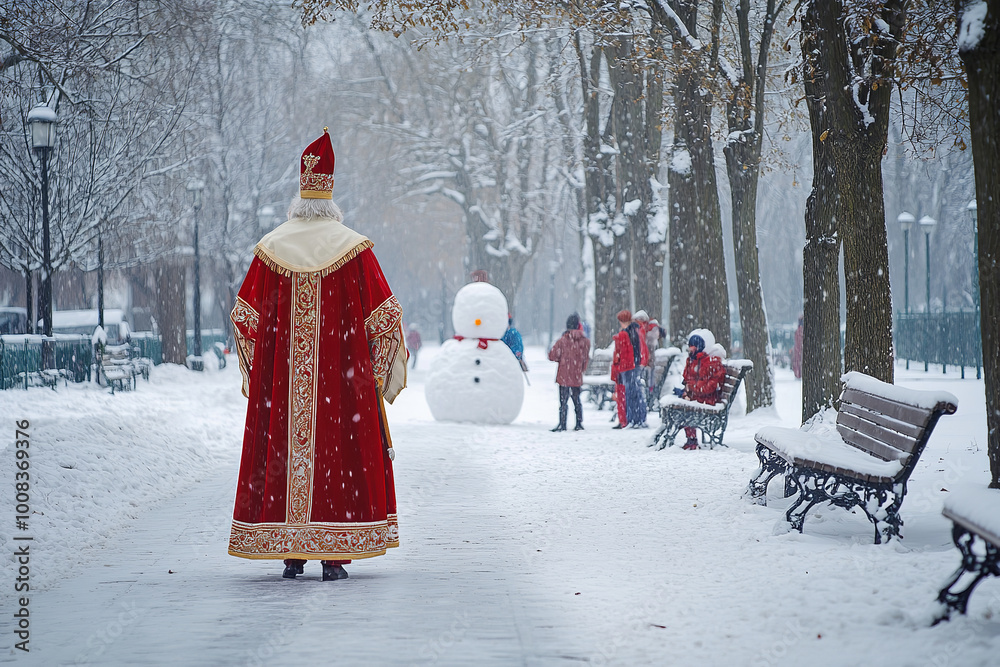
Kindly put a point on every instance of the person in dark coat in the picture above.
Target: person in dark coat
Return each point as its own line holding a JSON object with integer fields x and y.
{"x": 571, "y": 351}
{"x": 413, "y": 342}
{"x": 703, "y": 378}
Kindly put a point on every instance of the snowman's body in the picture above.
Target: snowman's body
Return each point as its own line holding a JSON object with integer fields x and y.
{"x": 476, "y": 378}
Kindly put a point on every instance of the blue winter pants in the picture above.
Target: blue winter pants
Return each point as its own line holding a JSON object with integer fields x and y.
{"x": 635, "y": 404}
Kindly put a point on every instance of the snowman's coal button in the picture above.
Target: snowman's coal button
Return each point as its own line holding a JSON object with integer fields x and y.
{"x": 478, "y": 362}
{"x": 476, "y": 380}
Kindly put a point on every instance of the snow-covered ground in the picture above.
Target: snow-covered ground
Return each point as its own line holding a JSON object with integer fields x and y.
{"x": 519, "y": 546}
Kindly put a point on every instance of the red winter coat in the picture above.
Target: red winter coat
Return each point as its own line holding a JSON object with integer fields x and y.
{"x": 624, "y": 359}
{"x": 571, "y": 351}
{"x": 703, "y": 378}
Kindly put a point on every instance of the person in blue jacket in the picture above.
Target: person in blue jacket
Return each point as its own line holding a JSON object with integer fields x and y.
{"x": 512, "y": 337}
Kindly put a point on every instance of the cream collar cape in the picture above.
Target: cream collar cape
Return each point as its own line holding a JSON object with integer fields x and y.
{"x": 307, "y": 245}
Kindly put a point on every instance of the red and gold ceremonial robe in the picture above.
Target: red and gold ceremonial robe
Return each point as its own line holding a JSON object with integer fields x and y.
{"x": 320, "y": 344}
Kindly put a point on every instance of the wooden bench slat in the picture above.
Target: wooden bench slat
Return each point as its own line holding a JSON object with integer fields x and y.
{"x": 901, "y": 445}
{"x": 912, "y": 431}
{"x": 873, "y": 446}
{"x": 905, "y": 413}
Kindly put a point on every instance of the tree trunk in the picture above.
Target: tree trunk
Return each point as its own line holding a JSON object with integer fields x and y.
{"x": 743, "y": 176}
{"x": 634, "y": 189}
{"x": 982, "y": 66}
{"x": 868, "y": 341}
{"x": 169, "y": 276}
{"x": 745, "y": 114}
{"x": 610, "y": 286}
{"x": 699, "y": 294}
{"x": 857, "y": 133}
{"x": 821, "y": 362}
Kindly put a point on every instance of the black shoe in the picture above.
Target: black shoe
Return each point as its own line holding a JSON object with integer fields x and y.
{"x": 333, "y": 572}
{"x": 558, "y": 428}
{"x": 578, "y": 427}
{"x": 617, "y": 426}
{"x": 292, "y": 570}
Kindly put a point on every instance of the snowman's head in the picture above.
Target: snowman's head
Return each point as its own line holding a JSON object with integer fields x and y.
{"x": 480, "y": 311}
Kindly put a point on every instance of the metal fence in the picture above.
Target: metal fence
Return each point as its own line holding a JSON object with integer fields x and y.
{"x": 21, "y": 359}
{"x": 949, "y": 339}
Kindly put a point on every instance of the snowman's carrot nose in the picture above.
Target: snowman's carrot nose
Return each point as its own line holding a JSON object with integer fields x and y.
{"x": 478, "y": 321}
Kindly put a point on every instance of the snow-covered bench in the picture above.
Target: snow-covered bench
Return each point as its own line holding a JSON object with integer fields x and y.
{"x": 663, "y": 360}
{"x": 115, "y": 368}
{"x": 597, "y": 378}
{"x": 865, "y": 462}
{"x": 678, "y": 413}
{"x": 975, "y": 513}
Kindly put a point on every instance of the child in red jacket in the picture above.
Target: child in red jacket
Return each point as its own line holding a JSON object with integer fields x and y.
{"x": 703, "y": 378}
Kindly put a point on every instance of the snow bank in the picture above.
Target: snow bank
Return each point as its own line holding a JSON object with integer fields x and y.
{"x": 97, "y": 460}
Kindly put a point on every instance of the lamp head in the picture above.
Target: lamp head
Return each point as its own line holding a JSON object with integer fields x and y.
{"x": 42, "y": 121}
{"x": 195, "y": 186}
{"x": 905, "y": 220}
{"x": 927, "y": 223}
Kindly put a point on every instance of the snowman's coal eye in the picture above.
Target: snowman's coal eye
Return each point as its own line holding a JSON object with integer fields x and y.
{"x": 476, "y": 380}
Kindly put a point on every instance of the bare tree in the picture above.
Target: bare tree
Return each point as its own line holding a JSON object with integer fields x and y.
{"x": 979, "y": 47}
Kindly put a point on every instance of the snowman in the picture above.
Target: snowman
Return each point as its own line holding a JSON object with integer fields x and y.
{"x": 475, "y": 377}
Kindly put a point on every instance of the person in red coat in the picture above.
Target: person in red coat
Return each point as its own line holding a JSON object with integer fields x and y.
{"x": 571, "y": 351}
{"x": 630, "y": 357}
{"x": 703, "y": 378}
{"x": 320, "y": 342}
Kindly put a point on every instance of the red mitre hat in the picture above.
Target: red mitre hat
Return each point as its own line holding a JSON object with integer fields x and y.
{"x": 316, "y": 169}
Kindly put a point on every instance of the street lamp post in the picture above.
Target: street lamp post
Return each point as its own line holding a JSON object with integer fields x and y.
{"x": 927, "y": 224}
{"x": 197, "y": 364}
{"x": 972, "y": 208}
{"x": 906, "y": 221}
{"x": 42, "y": 121}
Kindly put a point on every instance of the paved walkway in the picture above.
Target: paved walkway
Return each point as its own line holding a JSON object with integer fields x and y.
{"x": 167, "y": 592}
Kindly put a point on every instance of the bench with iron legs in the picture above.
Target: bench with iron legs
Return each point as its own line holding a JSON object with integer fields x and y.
{"x": 663, "y": 361}
{"x": 115, "y": 367}
{"x": 865, "y": 462}
{"x": 597, "y": 378}
{"x": 678, "y": 413}
{"x": 975, "y": 515}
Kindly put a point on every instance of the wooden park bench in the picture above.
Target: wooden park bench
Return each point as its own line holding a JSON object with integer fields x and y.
{"x": 881, "y": 430}
{"x": 975, "y": 513}
{"x": 597, "y": 378}
{"x": 663, "y": 361}
{"x": 115, "y": 368}
{"x": 712, "y": 420}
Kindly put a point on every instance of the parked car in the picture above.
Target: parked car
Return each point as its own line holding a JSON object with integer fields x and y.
{"x": 84, "y": 322}
{"x": 13, "y": 320}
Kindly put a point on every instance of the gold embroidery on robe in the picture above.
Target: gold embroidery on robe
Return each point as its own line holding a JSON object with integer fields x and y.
{"x": 302, "y": 395}
{"x": 244, "y": 314}
{"x": 314, "y": 541}
{"x": 384, "y": 331}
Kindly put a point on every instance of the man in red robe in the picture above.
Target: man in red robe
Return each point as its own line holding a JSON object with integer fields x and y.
{"x": 320, "y": 343}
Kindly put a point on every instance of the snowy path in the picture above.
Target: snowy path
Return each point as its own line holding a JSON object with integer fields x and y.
{"x": 519, "y": 547}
